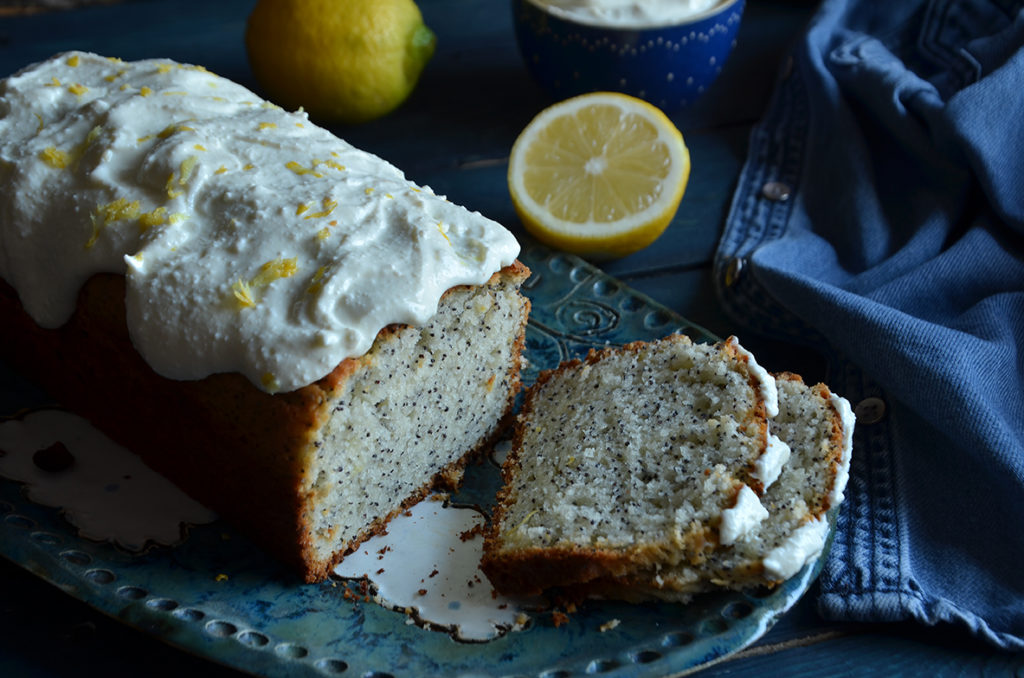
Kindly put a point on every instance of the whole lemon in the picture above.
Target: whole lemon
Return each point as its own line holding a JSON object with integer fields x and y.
{"x": 344, "y": 61}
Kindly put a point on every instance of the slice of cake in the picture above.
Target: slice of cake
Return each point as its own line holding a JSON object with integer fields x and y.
{"x": 641, "y": 457}
{"x": 818, "y": 427}
{"x": 285, "y": 326}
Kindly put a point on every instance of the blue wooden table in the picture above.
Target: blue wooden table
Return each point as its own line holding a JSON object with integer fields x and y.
{"x": 454, "y": 134}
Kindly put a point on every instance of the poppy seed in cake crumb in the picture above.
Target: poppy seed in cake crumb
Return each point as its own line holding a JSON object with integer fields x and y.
{"x": 610, "y": 501}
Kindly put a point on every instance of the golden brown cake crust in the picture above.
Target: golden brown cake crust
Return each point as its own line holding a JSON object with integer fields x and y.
{"x": 238, "y": 450}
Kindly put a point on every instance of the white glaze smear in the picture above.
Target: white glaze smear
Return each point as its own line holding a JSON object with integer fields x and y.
{"x": 766, "y": 382}
{"x": 842, "y": 406}
{"x": 807, "y": 542}
{"x": 742, "y": 519}
{"x": 427, "y": 565}
{"x": 768, "y": 466}
{"x": 629, "y": 13}
{"x": 252, "y": 240}
{"x": 104, "y": 490}
{"x": 801, "y": 547}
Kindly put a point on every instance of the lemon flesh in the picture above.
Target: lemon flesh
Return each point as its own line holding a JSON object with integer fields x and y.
{"x": 600, "y": 175}
{"x": 345, "y": 61}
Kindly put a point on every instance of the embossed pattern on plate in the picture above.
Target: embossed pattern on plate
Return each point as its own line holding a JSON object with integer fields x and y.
{"x": 219, "y": 597}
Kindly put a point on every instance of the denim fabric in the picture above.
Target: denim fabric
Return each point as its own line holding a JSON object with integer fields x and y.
{"x": 880, "y": 218}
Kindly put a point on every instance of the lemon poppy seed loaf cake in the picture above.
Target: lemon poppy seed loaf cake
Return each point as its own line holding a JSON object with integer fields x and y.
{"x": 817, "y": 426}
{"x": 633, "y": 458}
{"x": 284, "y": 325}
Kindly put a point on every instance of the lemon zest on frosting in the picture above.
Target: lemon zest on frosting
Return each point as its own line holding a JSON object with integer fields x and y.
{"x": 187, "y": 166}
{"x": 93, "y": 134}
{"x": 145, "y": 91}
{"x": 315, "y": 285}
{"x": 149, "y": 219}
{"x": 55, "y": 157}
{"x": 181, "y": 177}
{"x": 268, "y": 125}
{"x": 112, "y": 211}
{"x": 119, "y": 209}
{"x": 243, "y": 293}
{"x": 329, "y": 206}
{"x": 275, "y": 269}
{"x": 78, "y": 89}
{"x": 440, "y": 228}
{"x": 173, "y": 192}
{"x": 300, "y": 170}
{"x": 270, "y": 382}
{"x": 171, "y": 129}
{"x": 73, "y": 61}
{"x": 81, "y": 148}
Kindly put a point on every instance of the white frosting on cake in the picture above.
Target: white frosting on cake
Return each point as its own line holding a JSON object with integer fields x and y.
{"x": 808, "y": 540}
{"x": 766, "y": 382}
{"x": 769, "y": 465}
{"x": 252, "y": 241}
{"x": 842, "y": 406}
{"x": 745, "y": 515}
{"x": 798, "y": 549}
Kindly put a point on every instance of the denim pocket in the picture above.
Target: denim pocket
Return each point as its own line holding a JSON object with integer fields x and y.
{"x": 949, "y": 44}
{"x": 968, "y": 40}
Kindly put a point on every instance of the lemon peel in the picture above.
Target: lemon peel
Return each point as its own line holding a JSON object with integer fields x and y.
{"x": 600, "y": 175}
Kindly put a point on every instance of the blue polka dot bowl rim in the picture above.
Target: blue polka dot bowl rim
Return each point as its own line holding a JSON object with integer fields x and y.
{"x": 670, "y": 66}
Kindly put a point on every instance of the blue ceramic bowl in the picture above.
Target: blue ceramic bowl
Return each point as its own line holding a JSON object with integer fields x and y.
{"x": 670, "y": 66}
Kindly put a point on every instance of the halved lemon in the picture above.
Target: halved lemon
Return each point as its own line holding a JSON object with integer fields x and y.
{"x": 599, "y": 175}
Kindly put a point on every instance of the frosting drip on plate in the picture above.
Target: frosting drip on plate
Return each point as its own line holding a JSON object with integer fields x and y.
{"x": 252, "y": 241}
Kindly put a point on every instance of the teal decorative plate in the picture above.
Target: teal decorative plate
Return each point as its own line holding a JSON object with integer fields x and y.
{"x": 217, "y": 596}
